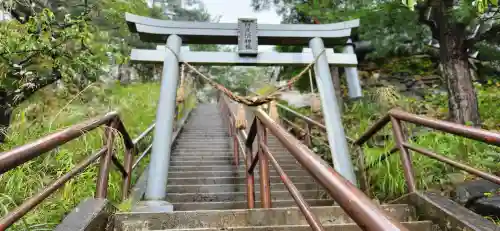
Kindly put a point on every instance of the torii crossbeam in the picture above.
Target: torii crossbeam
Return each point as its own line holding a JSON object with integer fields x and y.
{"x": 247, "y": 34}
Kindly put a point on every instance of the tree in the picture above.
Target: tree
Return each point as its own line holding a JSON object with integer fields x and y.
{"x": 449, "y": 24}
{"x": 49, "y": 41}
{"x": 459, "y": 27}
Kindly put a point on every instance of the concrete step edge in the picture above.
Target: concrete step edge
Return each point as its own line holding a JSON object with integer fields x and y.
{"x": 410, "y": 224}
{"x": 241, "y": 185}
{"x": 236, "y": 202}
{"x": 235, "y": 193}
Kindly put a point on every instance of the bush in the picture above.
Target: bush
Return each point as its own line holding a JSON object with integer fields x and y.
{"x": 52, "y": 110}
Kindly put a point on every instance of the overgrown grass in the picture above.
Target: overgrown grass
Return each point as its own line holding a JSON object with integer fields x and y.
{"x": 50, "y": 111}
{"x": 386, "y": 176}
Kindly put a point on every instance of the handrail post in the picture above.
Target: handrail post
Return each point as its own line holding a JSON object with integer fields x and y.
{"x": 307, "y": 138}
{"x": 160, "y": 156}
{"x": 364, "y": 181}
{"x": 265, "y": 190}
{"x": 333, "y": 121}
{"x": 105, "y": 161}
{"x": 405, "y": 155}
{"x": 355, "y": 203}
{"x": 127, "y": 163}
{"x": 250, "y": 180}
{"x": 236, "y": 147}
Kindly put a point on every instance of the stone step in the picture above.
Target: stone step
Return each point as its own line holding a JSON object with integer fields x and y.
{"x": 201, "y": 158}
{"x": 225, "y": 157}
{"x": 412, "y": 226}
{"x": 204, "y": 151}
{"x": 210, "y": 152}
{"x": 202, "y": 136}
{"x": 233, "y": 180}
{"x": 216, "y": 188}
{"x": 328, "y": 215}
{"x": 282, "y": 163}
{"x": 227, "y": 167}
{"x": 272, "y": 172}
{"x": 213, "y": 141}
{"x": 193, "y": 150}
{"x": 193, "y": 206}
{"x": 239, "y": 196}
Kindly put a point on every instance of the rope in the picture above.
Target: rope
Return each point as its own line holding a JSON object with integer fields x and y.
{"x": 182, "y": 75}
{"x": 312, "y": 89}
{"x": 251, "y": 101}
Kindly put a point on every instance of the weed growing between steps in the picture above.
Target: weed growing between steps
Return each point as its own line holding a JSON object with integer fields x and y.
{"x": 53, "y": 110}
{"x": 386, "y": 176}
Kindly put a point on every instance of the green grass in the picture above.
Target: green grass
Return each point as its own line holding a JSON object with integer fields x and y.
{"x": 386, "y": 177}
{"x": 50, "y": 111}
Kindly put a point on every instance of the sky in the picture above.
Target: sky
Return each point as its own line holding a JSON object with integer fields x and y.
{"x": 230, "y": 10}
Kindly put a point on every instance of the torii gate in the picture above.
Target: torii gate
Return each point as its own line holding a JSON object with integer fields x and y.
{"x": 247, "y": 34}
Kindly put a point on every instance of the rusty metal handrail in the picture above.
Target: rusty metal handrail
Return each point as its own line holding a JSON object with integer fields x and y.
{"x": 471, "y": 170}
{"x": 296, "y": 195}
{"x": 20, "y": 155}
{"x": 478, "y": 134}
{"x": 33, "y": 201}
{"x": 265, "y": 155}
{"x": 396, "y": 116}
{"x": 355, "y": 203}
{"x": 364, "y": 184}
{"x": 303, "y": 117}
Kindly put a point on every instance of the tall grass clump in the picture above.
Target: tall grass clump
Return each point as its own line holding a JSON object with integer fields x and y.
{"x": 52, "y": 110}
{"x": 386, "y": 176}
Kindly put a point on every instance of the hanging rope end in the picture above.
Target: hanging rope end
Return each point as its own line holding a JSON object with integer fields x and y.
{"x": 241, "y": 121}
{"x": 273, "y": 111}
{"x": 180, "y": 95}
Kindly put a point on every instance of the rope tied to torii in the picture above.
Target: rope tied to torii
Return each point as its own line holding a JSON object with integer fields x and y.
{"x": 251, "y": 101}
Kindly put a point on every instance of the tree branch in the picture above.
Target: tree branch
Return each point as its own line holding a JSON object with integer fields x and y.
{"x": 425, "y": 13}
{"x": 491, "y": 36}
{"x": 27, "y": 90}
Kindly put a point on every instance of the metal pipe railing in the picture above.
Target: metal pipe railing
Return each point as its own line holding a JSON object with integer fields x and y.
{"x": 241, "y": 136}
{"x": 471, "y": 170}
{"x": 396, "y": 116}
{"x": 374, "y": 129}
{"x": 20, "y": 155}
{"x": 33, "y": 201}
{"x": 296, "y": 195}
{"x": 449, "y": 127}
{"x": 303, "y": 117}
{"x": 356, "y": 204}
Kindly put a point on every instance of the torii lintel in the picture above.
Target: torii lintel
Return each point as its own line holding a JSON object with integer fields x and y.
{"x": 156, "y": 30}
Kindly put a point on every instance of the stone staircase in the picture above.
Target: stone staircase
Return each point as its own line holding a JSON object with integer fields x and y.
{"x": 208, "y": 191}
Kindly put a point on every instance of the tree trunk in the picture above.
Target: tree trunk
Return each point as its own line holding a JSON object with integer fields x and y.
{"x": 5, "y": 114}
{"x": 462, "y": 99}
{"x": 336, "y": 86}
